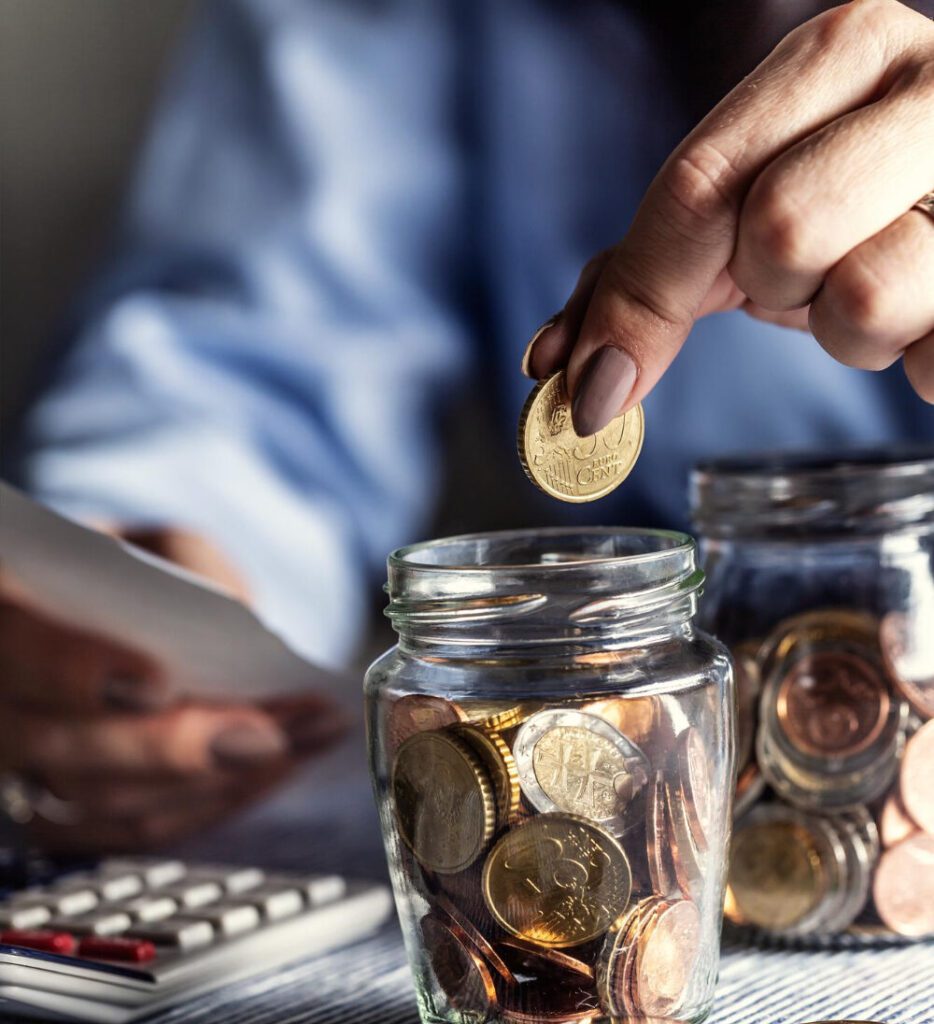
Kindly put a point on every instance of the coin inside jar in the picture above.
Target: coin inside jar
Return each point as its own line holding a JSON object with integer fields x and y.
{"x": 667, "y": 959}
{"x": 903, "y": 887}
{"x": 444, "y": 801}
{"x": 564, "y": 465}
{"x": 917, "y": 777}
{"x": 419, "y": 713}
{"x": 557, "y": 881}
{"x": 497, "y": 758}
{"x": 694, "y": 787}
{"x": 577, "y": 763}
{"x": 833, "y": 704}
{"x": 531, "y": 955}
{"x": 459, "y": 970}
{"x": 775, "y": 876}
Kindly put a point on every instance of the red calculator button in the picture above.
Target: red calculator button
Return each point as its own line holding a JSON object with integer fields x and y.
{"x": 48, "y": 942}
{"x": 137, "y": 951}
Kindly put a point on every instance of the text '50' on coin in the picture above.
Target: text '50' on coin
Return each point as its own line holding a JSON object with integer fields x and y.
{"x": 557, "y": 881}
{"x": 578, "y": 763}
{"x": 564, "y": 465}
{"x": 444, "y": 801}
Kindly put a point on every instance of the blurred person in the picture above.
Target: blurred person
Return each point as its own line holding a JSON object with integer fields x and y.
{"x": 346, "y": 211}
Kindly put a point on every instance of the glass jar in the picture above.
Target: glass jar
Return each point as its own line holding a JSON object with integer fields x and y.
{"x": 820, "y": 580}
{"x": 551, "y": 743}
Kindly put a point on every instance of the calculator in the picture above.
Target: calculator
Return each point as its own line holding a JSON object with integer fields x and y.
{"x": 114, "y": 942}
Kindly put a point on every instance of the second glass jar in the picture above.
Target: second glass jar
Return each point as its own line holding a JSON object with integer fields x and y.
{"x": 819, "y": 578}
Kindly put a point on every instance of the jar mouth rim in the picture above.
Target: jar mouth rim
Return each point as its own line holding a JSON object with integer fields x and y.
{"x": 833, "y": 463}
{"x": 670, "y": 543}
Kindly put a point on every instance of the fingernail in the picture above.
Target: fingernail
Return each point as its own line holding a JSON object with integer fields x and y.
{"x": 133, "y": 693}
{"x": 247, "y": 744}
{"x": 312, "y": 730}
{"x": 527, "y": 355}
{"x": 606, "y": 383}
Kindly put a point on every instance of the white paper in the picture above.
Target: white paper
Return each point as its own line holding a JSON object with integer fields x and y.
{"x": 209, "y": 643}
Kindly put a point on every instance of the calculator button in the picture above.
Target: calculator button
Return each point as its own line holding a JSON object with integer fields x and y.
{"x": 233, "y": 880}
{"x": 137, "y": 951}
{"x": 321, "y": 889}
{"x": 48, "y": 942}
{"x": 274, "y": 903}
{"x": 148, "y": 908}
{"x": 24, "y": 917}
{"x": 178, "y": 933}
{"x": 99, "y": 922}
{"x": 154, "y": 871}
{"x": 60, "y": 904}
{"x": 118, "y": 886}
{"x": 193, "y": 894}
{"x": 229, "y": 919}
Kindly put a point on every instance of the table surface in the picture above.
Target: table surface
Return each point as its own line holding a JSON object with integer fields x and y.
{"x": 326, "y": 822}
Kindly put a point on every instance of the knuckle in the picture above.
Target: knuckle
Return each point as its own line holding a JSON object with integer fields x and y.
{"x": 860, "y": 298}
{"x": 698, "y": 181}
{"x": 857, "y": 18}
{"x": 774, "y": 228}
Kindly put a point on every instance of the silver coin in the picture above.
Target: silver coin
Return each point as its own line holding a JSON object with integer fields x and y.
{"x": 577, "y": 763}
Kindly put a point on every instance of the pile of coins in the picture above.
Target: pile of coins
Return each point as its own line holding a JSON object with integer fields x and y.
{"x": 563, "y": 862}
{"x": 835, "y": 794}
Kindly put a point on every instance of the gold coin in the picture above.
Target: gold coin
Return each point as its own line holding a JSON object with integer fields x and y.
{"x": 557, "y": 880}
{"x": 497, "y": 758}
{"x": 499, "y": 717}
{"x": 444, "y": 800}
{"x": 776, "y": 877}
{"x": 564, "y": 465}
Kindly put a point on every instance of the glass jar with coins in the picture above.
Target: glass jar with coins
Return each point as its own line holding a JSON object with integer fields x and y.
{"x": 820, "y": 579}
{"x": 551, "y": 744}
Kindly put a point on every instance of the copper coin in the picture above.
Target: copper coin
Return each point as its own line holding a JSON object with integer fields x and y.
{"x": 748, "y": 688}
{"x": 917, "y": 777}
{"x": 694, "y": 787}
{"x": 658, "y": 839}
{"x": 685, "y": 855}
{"x": 894, "y": 823}
{"x": 613, "y": 974}
{"x": 833, "y": 704}
{"x": 459, "y": 970}
{"x": 551, "y": 1003}
{"x": 749, "y": 787}
{"x": 637, "y": 718}
{"x": 903, "y": 888}
{"x": 546, "y": 959}
{"x": 667, "y": 959}
{"x": 476, "y": 938}
{"x": 908, "y": 650}
{"x": 419, "y": 713}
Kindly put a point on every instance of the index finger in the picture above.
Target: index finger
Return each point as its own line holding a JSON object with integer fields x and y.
{"x": 684, "y": 232}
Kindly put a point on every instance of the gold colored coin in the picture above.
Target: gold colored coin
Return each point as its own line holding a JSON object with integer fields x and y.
{"x": 776, "y": 877}
{"x": 557, "y": 880}
{"x": 497, "y": 758}
{"x": 499, "y": 717}
{"x": 564, "y": 465}
{"x": 444, "y": 801}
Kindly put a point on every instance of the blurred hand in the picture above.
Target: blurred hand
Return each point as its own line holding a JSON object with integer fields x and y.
{"x": 91, "y": 722}
{"x": 791, "y": 200}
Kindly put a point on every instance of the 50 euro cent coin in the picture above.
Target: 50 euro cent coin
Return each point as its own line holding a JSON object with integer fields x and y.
{"x": 564, "y": 465}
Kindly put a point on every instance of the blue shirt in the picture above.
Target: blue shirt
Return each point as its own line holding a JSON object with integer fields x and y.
{"x": 343, "y": 210}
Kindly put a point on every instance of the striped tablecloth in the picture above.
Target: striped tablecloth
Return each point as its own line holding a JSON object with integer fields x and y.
{"x": 326, "y": 822}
